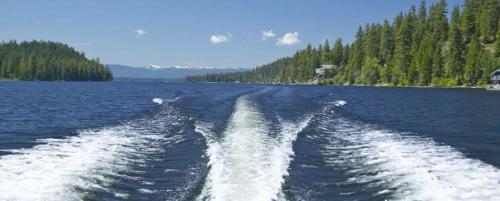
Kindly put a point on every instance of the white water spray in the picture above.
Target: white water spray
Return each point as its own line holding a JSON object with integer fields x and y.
{"x": 247, "y": 163}
{"x": 407, "y": 167}
{"x": 69, "y": 168}
{"x": 158, "y": 101}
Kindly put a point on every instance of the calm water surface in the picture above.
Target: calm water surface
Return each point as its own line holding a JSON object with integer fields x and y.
{"x": 110, "y": 141}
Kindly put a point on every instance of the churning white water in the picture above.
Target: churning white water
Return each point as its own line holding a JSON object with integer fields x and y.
{"x": 247, "y": 163}
{"x": 158, "y": 101}
{"x": 66, "y": 169}
{"x": 406, "y": 167}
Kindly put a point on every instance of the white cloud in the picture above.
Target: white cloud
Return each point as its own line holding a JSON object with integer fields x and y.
{"x": 290, "y": 38}
{"x": 139, "y": 33}
{"x": 267, "y": 34}
{"x": 217, "y": 39}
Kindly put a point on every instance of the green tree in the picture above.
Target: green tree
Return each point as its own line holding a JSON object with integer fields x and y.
{"x": 45, "y": 60}
{"x": 419, "y": 47}
{"x": 325, "y": 53}
{"x": 402, "y": 53}
{"x": 422, "y": 11}
{"x": 472, "y": 62}
{"x": 356, "y": 58}
{"x": 425, "y": 64}
{"x": 337, "y": 53}
{"x": 437, "y": 65}
{"x": 386, "y": 43}
{"x": 454, "y": 55}
{"x": 488, "y": 20}
{"x": 469, "y": 19}
{"x": 369, "y": 72}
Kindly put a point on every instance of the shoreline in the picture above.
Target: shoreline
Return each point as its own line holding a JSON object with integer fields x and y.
{"x": 487, "y": 87}
{"x": 355, "y": 85}
{"x": 18, "y": 80}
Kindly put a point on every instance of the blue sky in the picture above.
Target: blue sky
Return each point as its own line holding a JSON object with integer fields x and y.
{"x": 192, "y": 33}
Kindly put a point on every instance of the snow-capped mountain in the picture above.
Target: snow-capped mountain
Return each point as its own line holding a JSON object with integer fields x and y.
{"x": 159, "y": 72}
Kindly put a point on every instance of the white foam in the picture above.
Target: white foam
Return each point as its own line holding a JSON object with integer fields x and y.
{"x": 247, "y": 163}
{"x": 121, "y": 195}
{"x": 339, "y": 103}
{"x": 159, "y": 101}
{"x": 174, "y": 99}
{"x": 407, "y": 167}
{"x": 146, "y": 191}
{"x": 149, "y": 183}
{"x": 66, "y": 169}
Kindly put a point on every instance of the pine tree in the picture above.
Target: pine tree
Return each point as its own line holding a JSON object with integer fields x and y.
{"x": 44, "y": 60}
{"x": 325, "y": 53}
{"x": 372, "y": 41}
{"x": 438, "y": 20}
{"x": 488, "y": 20}
{"x": 469, "y": 20}
{"x": 413, "y": 68}
{"x": 419, "y": 47}
{"x": 425, "y": 61}
{"x": 497, "y": 46}
{"x": 472, "y": 61}
{"x": 337, "y": 53}
{"x": 454, "y": 56}
{"x": 402, "y": 53}
{"x": 386, "y": 43}
{"x": 422, "y": 11}
{"x": 343, "y": 66}
{"x": 437, "y": 65}
{"x": 356, "y": 58}
{"x": 487, "y": 63}
{"x": 369, "y": 72}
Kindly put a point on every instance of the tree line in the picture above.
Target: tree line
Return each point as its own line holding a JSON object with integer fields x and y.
{"x": 419, "y": 47}
{"x": 45, "y": 60}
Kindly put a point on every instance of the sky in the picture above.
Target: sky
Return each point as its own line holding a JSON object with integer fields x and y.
{"x": 225, "y": 33}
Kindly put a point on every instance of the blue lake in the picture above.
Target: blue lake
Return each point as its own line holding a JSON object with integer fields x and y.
{"x": 110, "y": 141}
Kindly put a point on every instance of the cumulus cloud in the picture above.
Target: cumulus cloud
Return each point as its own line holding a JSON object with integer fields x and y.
{"x": 267, "y": 34}
{"x": 139, "y": 33}
{"x": 290, "y": 38}
{"x": 219, "y": 38}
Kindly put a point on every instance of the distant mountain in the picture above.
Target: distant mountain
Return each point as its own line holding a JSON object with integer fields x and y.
{"x": 157, "y": 72}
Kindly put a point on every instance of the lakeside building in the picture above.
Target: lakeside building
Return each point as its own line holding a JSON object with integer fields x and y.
{"x": 495, "y": 80}
{"x": 495, "y": 77}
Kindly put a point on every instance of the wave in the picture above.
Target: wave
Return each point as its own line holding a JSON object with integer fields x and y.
{"x": 339, "y": 103}
{"x": 68, "y": 168}
{"x": 158, "y": 101}
{"x": 161, "y": 101}
{"x": 405, "y": 167}
{"x": 247, "y": 163}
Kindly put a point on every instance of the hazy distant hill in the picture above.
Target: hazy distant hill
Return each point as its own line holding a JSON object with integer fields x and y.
{"x": 156, "y": 72}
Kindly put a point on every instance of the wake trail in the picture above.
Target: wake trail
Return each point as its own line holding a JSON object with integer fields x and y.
{"x": 69, "y": 168}
{"x": 247, "y": 163}
{"x": 405, "y": 167}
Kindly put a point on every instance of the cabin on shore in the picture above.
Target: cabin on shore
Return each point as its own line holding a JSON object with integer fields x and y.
{"x": 495, "y": 77}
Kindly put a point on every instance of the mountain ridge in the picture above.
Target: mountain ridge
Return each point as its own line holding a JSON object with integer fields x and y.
{"x": 170, "y": 72}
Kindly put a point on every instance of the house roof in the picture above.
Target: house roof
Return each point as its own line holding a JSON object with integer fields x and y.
{"x": 497, "y": 72}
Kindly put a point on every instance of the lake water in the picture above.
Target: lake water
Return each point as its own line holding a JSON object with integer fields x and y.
{"x": 111, "y": 141}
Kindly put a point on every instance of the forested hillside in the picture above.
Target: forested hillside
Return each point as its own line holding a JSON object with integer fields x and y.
{"x": 44, "y": 60}
{"x": 419, "y": 47}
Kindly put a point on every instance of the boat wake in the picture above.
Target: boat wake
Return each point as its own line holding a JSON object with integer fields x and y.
{"x": 404, "y": 167}
{"x": 248, "y": 163}
{"x": 70, "y": 168}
